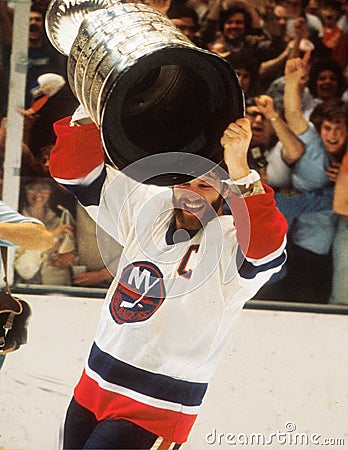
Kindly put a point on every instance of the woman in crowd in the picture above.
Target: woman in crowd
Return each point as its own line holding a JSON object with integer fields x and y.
{"x": 53, "y": 266}
{"x": 326, "y": 80}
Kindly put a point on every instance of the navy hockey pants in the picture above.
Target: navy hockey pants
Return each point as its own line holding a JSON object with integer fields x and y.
{"x": 83, "y": 431}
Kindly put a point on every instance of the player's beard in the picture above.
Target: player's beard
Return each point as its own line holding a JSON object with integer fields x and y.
{"x": 192, "y": 221}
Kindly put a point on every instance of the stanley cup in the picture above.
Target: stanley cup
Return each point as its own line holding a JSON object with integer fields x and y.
{"x": 148, "y": 88}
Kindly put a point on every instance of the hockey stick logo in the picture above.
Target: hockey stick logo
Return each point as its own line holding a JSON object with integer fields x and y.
{"x": 139, "y": 293}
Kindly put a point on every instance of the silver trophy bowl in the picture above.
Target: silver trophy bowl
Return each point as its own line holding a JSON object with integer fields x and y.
{"x": 64, "y": 17}
{"x": 148, "y": 88}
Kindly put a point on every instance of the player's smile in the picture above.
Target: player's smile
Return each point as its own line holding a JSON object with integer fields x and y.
{"x": 190, "y": 210}
{"x": 196, "y": 202}
{"x": 194, "y": 207}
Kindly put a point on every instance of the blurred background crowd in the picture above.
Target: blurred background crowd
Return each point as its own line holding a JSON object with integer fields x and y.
{"x": 291, "y": 58}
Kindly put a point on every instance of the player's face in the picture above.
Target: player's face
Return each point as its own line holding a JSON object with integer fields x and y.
{"x": 197, "y": 202}
{"x": 334, "y": 136}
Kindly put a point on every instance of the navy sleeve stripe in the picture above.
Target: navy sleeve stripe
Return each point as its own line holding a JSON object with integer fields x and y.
{"x": 248, "y": 271}
{"x": 89, "y": 194}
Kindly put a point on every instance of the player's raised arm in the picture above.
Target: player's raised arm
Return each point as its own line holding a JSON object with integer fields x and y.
{"x": 267, "y": 225}
{"x": 77, "y": 159}
{"x": 235, "y": 141}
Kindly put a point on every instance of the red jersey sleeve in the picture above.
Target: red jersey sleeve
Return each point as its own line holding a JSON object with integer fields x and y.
{"x": 77, "y": 152}
{"x": 261, "y": 227}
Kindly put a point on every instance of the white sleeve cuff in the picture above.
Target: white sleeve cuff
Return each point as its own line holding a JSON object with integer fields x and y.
{"x": 246, "y": 181}
{"x": 79, "y": 114}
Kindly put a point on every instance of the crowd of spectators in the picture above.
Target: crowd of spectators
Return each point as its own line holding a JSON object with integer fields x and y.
{"x": 291, "y": 58}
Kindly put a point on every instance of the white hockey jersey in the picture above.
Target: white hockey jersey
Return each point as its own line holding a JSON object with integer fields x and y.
{"x": 171, "y": 306}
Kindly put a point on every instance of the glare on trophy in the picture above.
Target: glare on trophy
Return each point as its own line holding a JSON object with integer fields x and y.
{"x": 149, "y": 89}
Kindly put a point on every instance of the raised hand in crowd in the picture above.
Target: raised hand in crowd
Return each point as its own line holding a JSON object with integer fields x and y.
{"x": 300, "y": 27}
{"x": 296, "y": 77}
{"x": 301, "y": 40}
{"x": 296, "y": 70}
{"x": 292, "y": 147}
{"x": 266, "y": 106}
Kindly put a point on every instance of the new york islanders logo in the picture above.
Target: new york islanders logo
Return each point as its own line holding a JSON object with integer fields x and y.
{"x": 139, "y": 293}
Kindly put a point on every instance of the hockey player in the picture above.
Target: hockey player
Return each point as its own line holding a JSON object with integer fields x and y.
{"x": 186, "y": 270}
